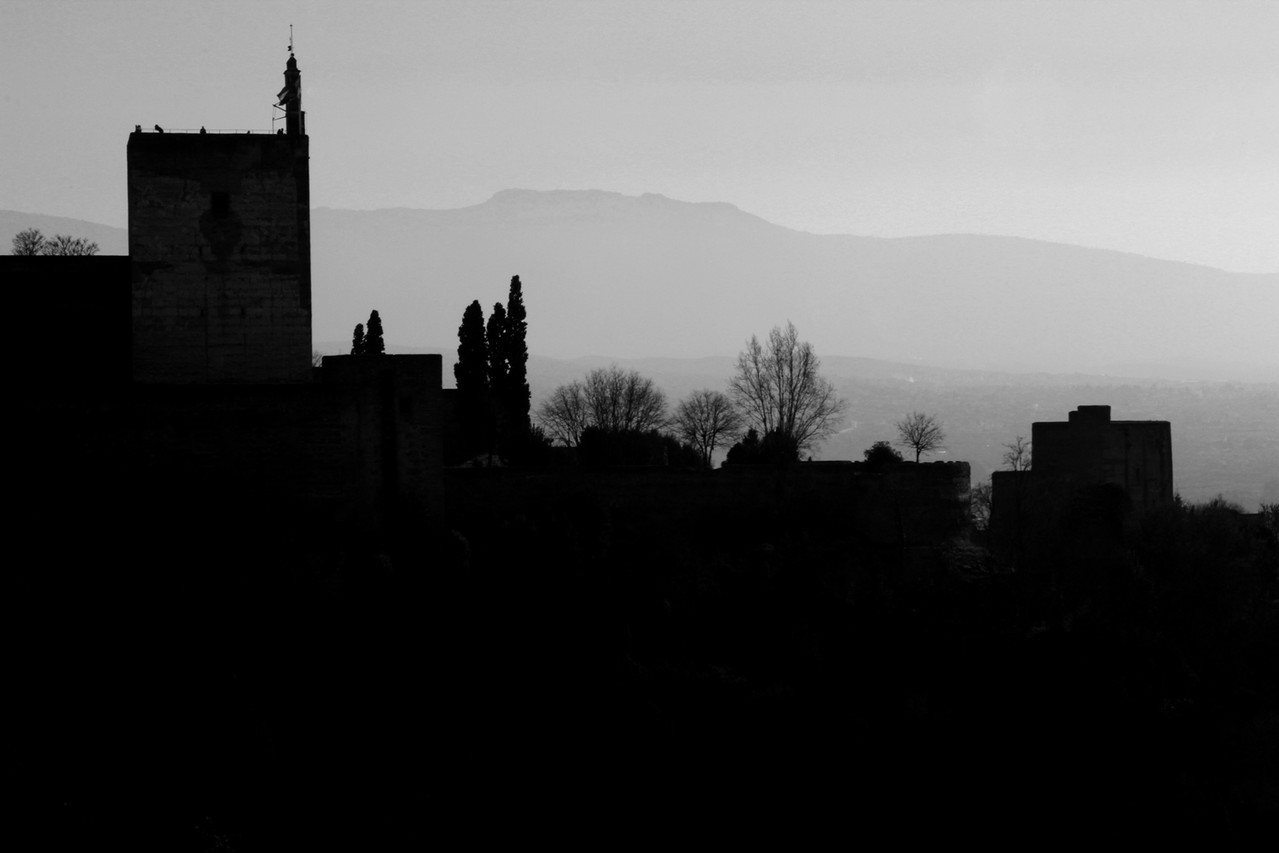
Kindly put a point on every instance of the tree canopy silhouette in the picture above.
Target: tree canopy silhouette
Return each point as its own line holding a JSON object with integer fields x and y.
{"x": 704, "y": 418}
{"x": 373, "y": 344}
{"x": 881, "y": 454}
{"x": 30, "y": 241}
{"x": 495, "y": 333}
{"x": 774, "y": 448}
{"x": 777, "y": 389}
{"x": 492, "y": 376}
{"x": 609, "y": 399}
{"x": 471, "y": 375}
{"x": 358, "y": 341}
{"x": 564, "y": 414}
{"x": 624, "y": 400}
{"x": 516, "y": 396}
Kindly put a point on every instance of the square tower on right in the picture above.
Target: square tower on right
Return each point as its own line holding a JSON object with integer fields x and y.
{"x": 1092, "y": 449}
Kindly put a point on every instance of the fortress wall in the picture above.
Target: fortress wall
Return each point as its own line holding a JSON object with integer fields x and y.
{"x": 402, "y": 422}
{"x": 219, "y": 236}
{"x": 348, "y": 449}
{"x": 1138, "y": 456}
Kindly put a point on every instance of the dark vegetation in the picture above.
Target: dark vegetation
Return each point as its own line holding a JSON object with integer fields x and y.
{"x": 1123, "y": 674}
{"x": 367, "y": 340}
{"x": 778, "y": 404}
{"x": 31, "y": 241}
{"x": 705, "y": 419}
{"x": 881, "y": 455}
{"x": 491, "y": 377}
{"x": 608, "y": 400}
{"x": 576, "y": 663}
{"x": 774, "y": 448}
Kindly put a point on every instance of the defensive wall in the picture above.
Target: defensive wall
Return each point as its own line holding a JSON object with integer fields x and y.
{"x": 359, "y": 446}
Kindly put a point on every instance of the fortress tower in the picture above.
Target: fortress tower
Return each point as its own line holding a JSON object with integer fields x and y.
{"x": 1085, "y": 451}
{"x": 220, "y": 242}
{"x": 1091, "y": 449}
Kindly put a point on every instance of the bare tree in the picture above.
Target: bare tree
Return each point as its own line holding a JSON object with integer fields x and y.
{"x": 62, "y": 244}
{"x": 28, "y": 242}
{"x": 610, "y": 399}
{"x": 703, "y": 418}
{"x": 921, "y": 433}
{"x": 31, "y": 242}
{"x": 623, "y": 400}
{"x": 778, "y": 390}
{"x": 564, "y": 414}
{"x": 1017, "y": 455}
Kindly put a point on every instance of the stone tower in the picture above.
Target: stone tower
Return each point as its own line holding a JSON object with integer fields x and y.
{"x": 220, "y": 244}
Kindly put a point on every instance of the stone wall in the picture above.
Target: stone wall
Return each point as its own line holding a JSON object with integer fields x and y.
{"x": 359, "y": 448}
{"x": 219, "y": 236}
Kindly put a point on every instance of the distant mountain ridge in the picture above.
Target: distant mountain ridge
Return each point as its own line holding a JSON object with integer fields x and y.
{"x": 628, "y": 277}
{"x": 633, "y": 276}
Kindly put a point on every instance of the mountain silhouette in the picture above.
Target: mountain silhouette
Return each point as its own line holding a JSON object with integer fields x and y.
{"x": 614, "y": 275}
{"x": 639, "y": 276}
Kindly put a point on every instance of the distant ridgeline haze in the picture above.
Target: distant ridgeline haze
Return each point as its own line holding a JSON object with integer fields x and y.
{"x": 632, "y": 277}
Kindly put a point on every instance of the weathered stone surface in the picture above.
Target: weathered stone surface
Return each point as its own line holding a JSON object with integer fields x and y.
{"x": 219, "y": 235}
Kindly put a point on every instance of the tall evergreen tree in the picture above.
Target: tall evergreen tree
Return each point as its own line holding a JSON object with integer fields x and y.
{"x": 373, "y": 344}
{"x": 472, "y": 369}
{"x": 358, "y": 340}
{"x": 471, "y": 373}
{"x": 516, "y": 397}
{"x": 496, "y": 333}
{"x": 498, "y": 368}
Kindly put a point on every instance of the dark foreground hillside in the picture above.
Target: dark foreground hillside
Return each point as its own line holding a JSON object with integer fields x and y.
{"x": 221, "y": 669}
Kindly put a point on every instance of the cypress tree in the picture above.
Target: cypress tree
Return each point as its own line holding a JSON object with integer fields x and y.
{"x": 373, "y": 344}
{"x": 471, "y": 375}
{"x": 516, "y": 396}
{"x": 358, "y": 340}
{"x": 496, "y": 333}
{"x": 472, "y": 369}
{"x": 497, "y": 365}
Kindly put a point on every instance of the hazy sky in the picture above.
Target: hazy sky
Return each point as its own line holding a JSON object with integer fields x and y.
{"x": 1150, "y": 127}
